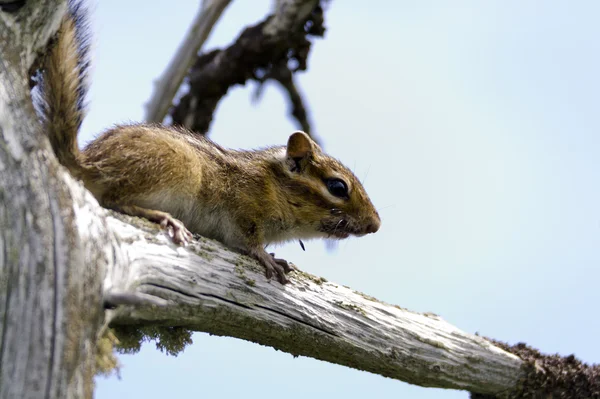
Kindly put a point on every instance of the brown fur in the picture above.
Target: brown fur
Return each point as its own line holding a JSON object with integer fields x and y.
{"x": 60, "y": 91}
{"x": 245, "y": 199}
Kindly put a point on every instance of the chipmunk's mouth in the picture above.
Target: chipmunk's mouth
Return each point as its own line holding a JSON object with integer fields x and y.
{"x": 339, "y": 229}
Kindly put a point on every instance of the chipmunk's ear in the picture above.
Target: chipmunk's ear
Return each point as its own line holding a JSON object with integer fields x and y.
{"x": 300, "y": 150}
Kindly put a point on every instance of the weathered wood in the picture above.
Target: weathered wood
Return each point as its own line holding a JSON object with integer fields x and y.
{"x": 280, "y": 37}
{"x": 50, "y": 309}
{"x": 168, "y": 84}
{"x": 206, "y": 287}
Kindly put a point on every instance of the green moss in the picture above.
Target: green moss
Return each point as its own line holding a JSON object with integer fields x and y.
{"x": 204, "y": 255}
{"x": 299, "y": 274}
{"x": 3, "y": 281}
{"x": 171, "y": 340}
{"x": 240, "y": 271}
{"x": 106, "y": 361}
{"x": 350, "y": 306}
{"x": 200, "y": 238}
{"x": 367, "y": 297}
{"x": 14, "y": 255}
{"x": 247, "y": 263}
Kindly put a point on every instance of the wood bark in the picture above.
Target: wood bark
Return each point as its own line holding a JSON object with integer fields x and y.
{"x": 50, "y": 302}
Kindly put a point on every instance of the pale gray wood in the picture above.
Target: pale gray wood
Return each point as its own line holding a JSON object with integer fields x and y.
{"x": 50, "y": 306}
{"x": 167, "y": 85}
{"x": 209, "y": 288}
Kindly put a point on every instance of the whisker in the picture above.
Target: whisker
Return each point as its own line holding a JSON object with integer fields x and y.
{"x": 385, "y": 207}
{"x": 364, "y": 179}
{"x": 337, "y": 225}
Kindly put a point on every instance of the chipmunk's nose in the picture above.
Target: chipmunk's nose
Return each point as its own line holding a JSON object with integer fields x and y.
{"x": 373, "y": 226}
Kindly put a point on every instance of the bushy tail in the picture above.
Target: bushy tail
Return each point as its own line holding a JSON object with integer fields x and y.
{"x": 63, "y": 87}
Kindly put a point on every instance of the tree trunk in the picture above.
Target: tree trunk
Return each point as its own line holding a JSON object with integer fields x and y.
{"x": 50, "y": 302}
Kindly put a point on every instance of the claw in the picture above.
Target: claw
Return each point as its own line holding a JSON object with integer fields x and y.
{"x": 176, "y": 230}
{"x": 272, "y": 265}
{"x": 287, "y": 266}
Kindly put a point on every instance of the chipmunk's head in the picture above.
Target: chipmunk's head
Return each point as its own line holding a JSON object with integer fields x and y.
{"x": 326, "y": 198}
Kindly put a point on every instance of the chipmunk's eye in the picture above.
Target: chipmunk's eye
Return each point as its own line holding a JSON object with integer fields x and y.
{"x": 337, "y": 187}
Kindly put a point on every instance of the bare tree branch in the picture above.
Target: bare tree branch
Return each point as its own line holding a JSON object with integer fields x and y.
{"x": 167, "y": 85}
{"x": 280, "y": 38}
{"x": 206, "y": 287}
{"x": 282, "y": 74}
{"x": 551, "y": 376}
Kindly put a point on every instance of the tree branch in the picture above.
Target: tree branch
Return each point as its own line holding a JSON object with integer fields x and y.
{"x": 283, "y": 75}
{"x": 206, "y": 287}
{"x": 279, "y": 39}
{"x": 167, "y": 85}
{"x": 551, "y": 376}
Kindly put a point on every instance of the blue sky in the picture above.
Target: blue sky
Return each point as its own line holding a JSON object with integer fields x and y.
{"x": 475, "y": 126}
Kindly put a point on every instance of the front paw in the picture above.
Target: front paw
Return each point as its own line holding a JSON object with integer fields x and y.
{"x": 287, "y": 266}
{"x": 273, "y": 266}
{"x": 176, "y": 230}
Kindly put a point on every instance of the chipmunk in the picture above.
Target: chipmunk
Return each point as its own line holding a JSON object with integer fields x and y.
{"x": 187, "y": 183}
